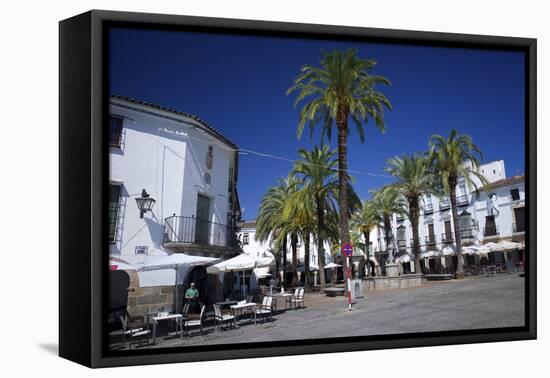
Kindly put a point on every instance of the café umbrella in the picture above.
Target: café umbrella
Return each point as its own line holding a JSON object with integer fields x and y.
{"x": 242, "y": 262}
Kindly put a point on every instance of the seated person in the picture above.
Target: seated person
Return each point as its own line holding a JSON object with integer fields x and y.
{"x": 192, "y": 297}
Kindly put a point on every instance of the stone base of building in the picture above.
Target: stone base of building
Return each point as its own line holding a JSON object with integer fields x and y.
{"x": 404, "y": 281}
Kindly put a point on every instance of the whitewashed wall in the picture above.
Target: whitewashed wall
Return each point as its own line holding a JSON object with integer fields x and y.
{"x": 167, "y": 158}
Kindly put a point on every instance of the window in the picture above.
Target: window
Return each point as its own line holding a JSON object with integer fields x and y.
{"x": 401, "y": 233}
{"x": 115, "y": 136}
{"x": 514, "y": 193}
{"x": 245, "y": 239}
{"x": 114, "y": 201}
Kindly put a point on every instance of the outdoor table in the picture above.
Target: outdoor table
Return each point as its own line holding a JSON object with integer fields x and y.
{"x": 240, "y": 308}
{"x": 286, "y": 297}
{"x": 177, "y": 317}
{"x": 226, "y": 303}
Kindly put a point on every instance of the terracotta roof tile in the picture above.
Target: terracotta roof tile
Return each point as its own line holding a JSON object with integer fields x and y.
{"x": 505, "y": 182}
{"x": 188, "y": 115}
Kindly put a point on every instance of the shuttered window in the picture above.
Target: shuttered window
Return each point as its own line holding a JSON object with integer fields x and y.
{"x": 115, "y": 135}
{"x": 114, "y": 202}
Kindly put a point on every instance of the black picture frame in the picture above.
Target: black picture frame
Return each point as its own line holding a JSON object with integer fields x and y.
{"x": 83, "y": 164}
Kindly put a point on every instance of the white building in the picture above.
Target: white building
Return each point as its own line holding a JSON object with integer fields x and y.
{"x": 493, "y": 213}
{"x": 251, "y": 246}
{"x": 190, "y": 170}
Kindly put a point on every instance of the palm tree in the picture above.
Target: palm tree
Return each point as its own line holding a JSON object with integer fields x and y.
{"x": 317, "y": 169}
{"x": 414, "y": 181}
{"x": 364, "y": 220}
{"x": 339, "y": 89}
{"x": 387, "y": 202}
{"x": 300, "y": 216}
{"x": 271, "y": 222}
{"x": 452, "y": 158}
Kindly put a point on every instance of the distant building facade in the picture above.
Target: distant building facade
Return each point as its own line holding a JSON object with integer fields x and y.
{"x": 251, "y": 246}
{"x": 489, "y": 214}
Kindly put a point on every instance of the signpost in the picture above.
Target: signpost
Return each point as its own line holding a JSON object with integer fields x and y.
{"x": 347, "y": 250}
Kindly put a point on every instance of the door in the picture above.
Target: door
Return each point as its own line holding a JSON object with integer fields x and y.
{"x": 519, "y": 213}
{"x": 431, "y": 235}
{"x": 203, "y": 215}
{"x": 490, "y": 225}
{"x": 448, "y": 231}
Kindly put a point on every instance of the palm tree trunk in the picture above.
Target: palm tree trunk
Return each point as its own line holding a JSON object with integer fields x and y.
{"x": 387, "y": 229}
{"x": 320, "y": 247}
{"x": 413, "y": 216}
{"x": 294, "y": 246}
{"x": 284, "y": 261}
{"x": 459, "y": 268}
{"x": 342, "y": 125}
{"x": 306, "y": 260}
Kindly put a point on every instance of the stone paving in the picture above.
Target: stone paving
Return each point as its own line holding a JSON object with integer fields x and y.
{"x": 472, "y": 303}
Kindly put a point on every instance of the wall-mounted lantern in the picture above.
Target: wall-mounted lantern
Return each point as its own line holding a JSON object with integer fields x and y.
{"x": 144, "y": 203}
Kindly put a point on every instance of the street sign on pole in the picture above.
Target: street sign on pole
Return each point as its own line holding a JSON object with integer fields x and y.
{"x": 347, "y": 249}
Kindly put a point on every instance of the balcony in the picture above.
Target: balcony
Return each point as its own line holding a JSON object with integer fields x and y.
{"x": 428, "y": 209}
{"x": 490, "y": 231}
{"x": 444, "y": 204}
{"x": 430, "y": 240}
{"x": 447, "y": 237}
{"x": 401, "y": 244}
{"x": 462, "y": 200}
{"x": 185, "y": 234}
{"x": 466, "y": 234}
{"x": 518, "y": 228}
{"x": 400, "y": 217}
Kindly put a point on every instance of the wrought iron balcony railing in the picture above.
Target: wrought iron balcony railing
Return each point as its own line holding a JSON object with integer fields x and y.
{"x": 444, "y": 204}
{"x": 462, "y": 200}
{"x": 401, "y": 244}
{"x": 490, "y": 231}
{"x": 430, "y": 240}
{"x": 428, "y": 208}
{"x": 191, "y": 230}
{"x": 466, "y": 234}
{"x": 447, "y": 237}
{"x": 518, "y": 227}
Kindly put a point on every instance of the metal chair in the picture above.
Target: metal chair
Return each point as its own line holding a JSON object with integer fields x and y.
{"x": 194, "y": 323}
{"x": 265, "y": 309}
{"x": 298, "y": 300}
{"x": 221, "y": 318}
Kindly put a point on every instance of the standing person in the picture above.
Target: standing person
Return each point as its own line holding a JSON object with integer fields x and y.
{"x": 272, "y": 284}
{"x": 192, "y": 297}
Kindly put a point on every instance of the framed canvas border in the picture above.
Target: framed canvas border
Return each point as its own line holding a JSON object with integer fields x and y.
{"x": 84, "y": 166}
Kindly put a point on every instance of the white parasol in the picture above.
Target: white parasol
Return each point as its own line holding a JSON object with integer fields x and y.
{"x": 242, "y": 262}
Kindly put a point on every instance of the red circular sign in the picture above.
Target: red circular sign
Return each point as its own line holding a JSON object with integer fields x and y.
{"x": 347, "y": 249}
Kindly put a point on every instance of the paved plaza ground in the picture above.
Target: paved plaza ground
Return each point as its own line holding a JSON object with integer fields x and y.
{"x": 472, "y": 303}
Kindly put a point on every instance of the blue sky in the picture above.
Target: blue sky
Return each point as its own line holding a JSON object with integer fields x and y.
{"x": 238, "y": 83}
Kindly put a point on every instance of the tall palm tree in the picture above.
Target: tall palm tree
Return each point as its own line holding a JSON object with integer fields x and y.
{"x": 414, "y": 181}
{"x": 364, "y": 220}
{"x": 271, "y": 223}
{"x": 300, "y": 216}
{"x": 318, "y": 170}
{"x": 453, "y": 158}
{"x": 387, "y": 202}
{"x": 339, "y": 89}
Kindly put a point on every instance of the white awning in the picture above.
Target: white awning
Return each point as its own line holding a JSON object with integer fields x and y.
{"x": 332, "y": 265}
{"x": 448, "y": 250}
{"x": 404, "y": 258}
{"x": 241, "y": 262}
{"x": 427, "y": 254}
{"x": 175, "y": 261}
